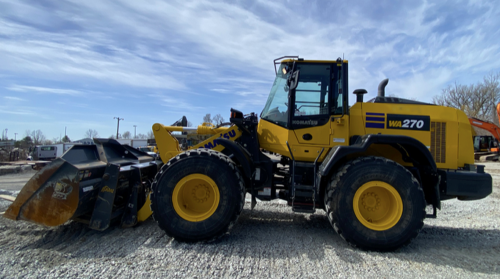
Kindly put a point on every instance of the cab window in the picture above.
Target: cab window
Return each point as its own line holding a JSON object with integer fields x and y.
{"x": 312, "y": 93}
{"x": 311, "y": 97}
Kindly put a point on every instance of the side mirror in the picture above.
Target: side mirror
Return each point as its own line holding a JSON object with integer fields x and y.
{"x": 293, "y": 80}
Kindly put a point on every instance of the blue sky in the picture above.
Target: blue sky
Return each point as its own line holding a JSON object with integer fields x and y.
{"x": 78, "y": 64}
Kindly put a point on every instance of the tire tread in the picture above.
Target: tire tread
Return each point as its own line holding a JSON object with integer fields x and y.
{"x": 332, "y": 198}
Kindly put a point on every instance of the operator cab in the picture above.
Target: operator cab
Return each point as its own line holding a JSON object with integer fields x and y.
{"x": 307, "y": 101}
{"x": 305, "y": 94}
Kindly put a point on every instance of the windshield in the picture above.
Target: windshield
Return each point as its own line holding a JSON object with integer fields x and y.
{"x": 276, "y": 109}
{"x": 145, "y": 149}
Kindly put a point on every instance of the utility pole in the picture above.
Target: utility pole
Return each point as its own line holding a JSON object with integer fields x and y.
{"x": 6, "y": 137}
{"x": 134, "y": 130}
{"x": 15, "y": 136}
{"x": 118, "y": 126}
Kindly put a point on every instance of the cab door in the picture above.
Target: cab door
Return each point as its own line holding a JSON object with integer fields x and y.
{"x": 311, "y": 104}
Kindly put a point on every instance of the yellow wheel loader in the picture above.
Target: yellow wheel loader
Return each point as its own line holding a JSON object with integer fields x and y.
{"x": 373, "y": 167}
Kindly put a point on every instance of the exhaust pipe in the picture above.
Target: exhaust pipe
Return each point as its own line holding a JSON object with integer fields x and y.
{"x": 381, "y": 87}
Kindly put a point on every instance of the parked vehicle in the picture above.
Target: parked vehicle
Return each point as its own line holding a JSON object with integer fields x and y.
{"x": 48, "y": 152}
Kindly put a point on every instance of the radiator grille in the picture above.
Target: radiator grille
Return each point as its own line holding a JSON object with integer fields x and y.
{"x": 438, "y": 141}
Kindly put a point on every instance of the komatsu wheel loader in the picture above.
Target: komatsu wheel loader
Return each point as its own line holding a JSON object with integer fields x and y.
{"x": 373, "y": 167}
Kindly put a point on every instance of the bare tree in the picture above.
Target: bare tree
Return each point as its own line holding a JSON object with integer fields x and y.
{"x": 218, "y": 119}
{"x": 36, "y": 136}
{"x": 141, "y": 136}
{"x": 112, "y": 136}
{"x": 207, "y": 118}
{"x": 27, "y": 135}
{"x": 189, "y": 124}
{"x": 47, "y": 142}
{"x": 66, "y": 139}
{"x": 25, "y": 142}
{"x": 126, "y": 135}
{"x": 28, "y": 140}
{"x": 150, "y": 135}
{"x": 476, "y": 100}
{"x": 91, "y": 134}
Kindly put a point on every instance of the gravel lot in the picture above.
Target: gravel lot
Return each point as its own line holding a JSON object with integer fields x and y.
{"x": 269, "y": 242}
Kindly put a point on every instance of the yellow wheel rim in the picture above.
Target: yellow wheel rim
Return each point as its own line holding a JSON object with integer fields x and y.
{"x": 378, "y": 206}
{"x": 195, "y": 197}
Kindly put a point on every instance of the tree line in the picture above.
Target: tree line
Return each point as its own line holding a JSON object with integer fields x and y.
{"x": 36, "y": 137}
{"x": 216, "y": 120}
{"x": 476, "y": 100}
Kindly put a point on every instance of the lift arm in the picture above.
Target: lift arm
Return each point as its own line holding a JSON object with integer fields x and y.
{"x": 168, "y": 146}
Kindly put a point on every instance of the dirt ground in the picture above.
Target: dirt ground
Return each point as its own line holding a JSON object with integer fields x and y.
{"x": 269, "y": 242}
{"x": 15, "y": 181}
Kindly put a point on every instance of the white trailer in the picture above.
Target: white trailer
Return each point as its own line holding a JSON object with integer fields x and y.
{"x": 134, "y": 142}
{"x": 49, "y": 152}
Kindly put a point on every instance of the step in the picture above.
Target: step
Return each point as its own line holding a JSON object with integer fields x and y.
{"x": 304, "y": 187}
{"x": 303, "y": 209}
{"x": 306, "y": 194}
{"x": 304, "y": 164}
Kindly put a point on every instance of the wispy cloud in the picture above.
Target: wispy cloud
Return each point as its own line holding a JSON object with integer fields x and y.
{"x": 13, "y": 98}
{"x": 178, "y": 104}
{"x": 58, "y": 91}
{"x": 220, "y": 90}
{"x": 15, "y": 111}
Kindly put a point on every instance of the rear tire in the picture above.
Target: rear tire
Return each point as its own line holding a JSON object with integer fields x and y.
{"x": 375, "y": 204}
{"x": 197, "y": 196}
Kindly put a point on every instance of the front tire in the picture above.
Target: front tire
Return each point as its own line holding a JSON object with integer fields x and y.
{"x": 197, "y": 196}
{"x": 375, "y": 204}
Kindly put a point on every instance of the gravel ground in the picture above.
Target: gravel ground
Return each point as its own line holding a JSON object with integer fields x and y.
{"x": 268, "y": 242}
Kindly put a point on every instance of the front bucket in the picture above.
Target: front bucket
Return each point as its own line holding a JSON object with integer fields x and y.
{"x": 50, "y": 197}
{"x": 94, "y": 184}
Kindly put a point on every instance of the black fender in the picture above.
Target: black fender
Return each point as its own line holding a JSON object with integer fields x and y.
{"x": 239, "y": 153}
{"x": 412, "y": 151}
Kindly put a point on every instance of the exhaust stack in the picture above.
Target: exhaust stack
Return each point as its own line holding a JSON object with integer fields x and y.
{"x": 381, "y": 87}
